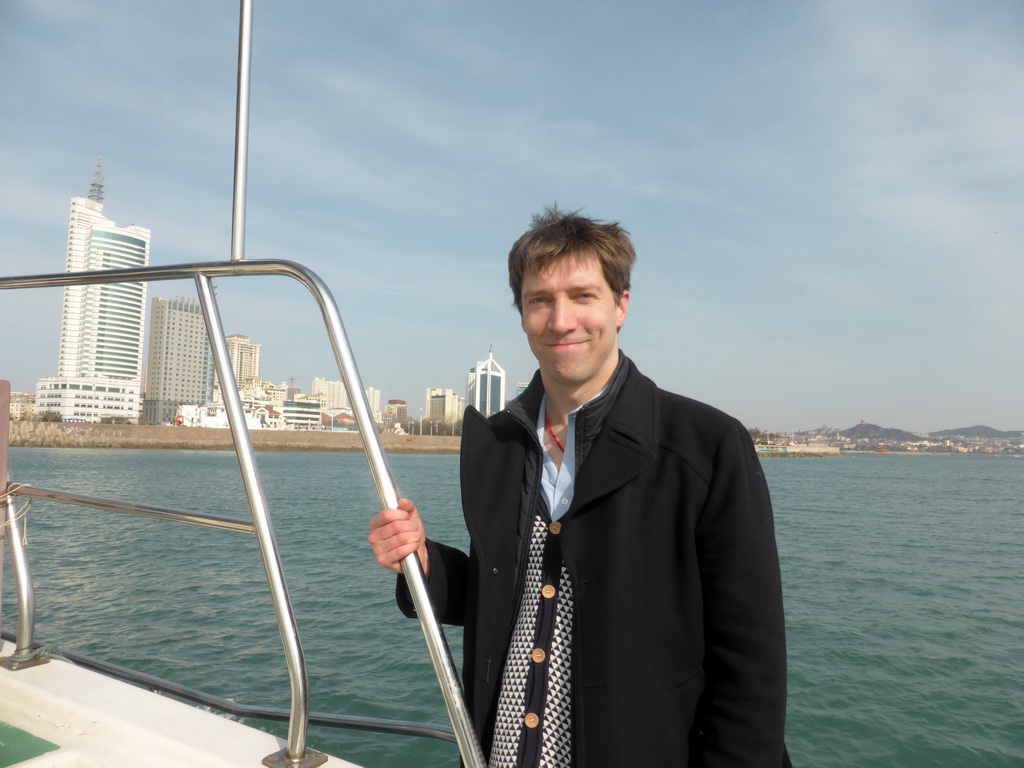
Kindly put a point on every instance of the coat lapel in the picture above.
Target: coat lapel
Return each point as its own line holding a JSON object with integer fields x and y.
{"x": 625, "y": 446}
{"x": 492, "y": 468}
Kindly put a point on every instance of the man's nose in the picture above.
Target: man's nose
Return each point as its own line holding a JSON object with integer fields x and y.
{"x": 563, "y": 316}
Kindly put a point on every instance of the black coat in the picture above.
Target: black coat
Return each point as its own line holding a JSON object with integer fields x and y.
{"x": 678, "y": 635}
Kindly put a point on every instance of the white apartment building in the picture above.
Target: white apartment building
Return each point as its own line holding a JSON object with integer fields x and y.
{"x": 302, "y": 413}
{"x": 254, "y": 391}
{"x": 99, "y": 370}
{"x": 373, "y": 399}
{"x": 245, "y": 357}
{"x": 179, "y": 367}
{"x": 334, "y": 391}
{"x": 320, "y": 398}
{"x": 23, "y": 406}
{"x": 336, "y": 396}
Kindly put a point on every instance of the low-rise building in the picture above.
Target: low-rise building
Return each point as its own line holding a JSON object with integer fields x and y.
{"x": 23, "y": 406}
{"x": 301, "y": 413}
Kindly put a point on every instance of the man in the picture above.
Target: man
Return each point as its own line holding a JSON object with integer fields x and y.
{"x": 621, "y": 598}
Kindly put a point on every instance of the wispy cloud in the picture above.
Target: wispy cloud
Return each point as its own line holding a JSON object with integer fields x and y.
{"x": 925, "y": 99}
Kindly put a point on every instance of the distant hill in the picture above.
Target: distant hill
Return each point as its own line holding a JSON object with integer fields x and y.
{"x": 877, "y": 433}
{"x": 977, "y": 431}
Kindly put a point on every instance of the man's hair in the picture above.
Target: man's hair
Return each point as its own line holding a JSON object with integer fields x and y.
{"x": 556, "y": 236}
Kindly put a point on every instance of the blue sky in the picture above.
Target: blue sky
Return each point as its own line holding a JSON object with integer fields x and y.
{"x": 826, "y": 197}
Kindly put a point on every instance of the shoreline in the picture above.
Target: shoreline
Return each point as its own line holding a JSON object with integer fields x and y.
{"x": 36, "y": 434}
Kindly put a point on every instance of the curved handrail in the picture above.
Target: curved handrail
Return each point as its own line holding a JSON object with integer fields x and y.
{"x": 203, "y": 273}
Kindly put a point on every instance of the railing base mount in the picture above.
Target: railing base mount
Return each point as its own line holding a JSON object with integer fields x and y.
{"x": 281, "y": 760}
{"x": 23, "y": 658}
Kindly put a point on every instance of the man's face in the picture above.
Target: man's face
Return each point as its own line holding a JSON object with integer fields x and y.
{"x": 571, "y": 318}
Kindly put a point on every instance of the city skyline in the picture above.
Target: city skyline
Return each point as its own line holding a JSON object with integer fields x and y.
{"x": 824, "y": 197}
{"x": 88, "y": 226}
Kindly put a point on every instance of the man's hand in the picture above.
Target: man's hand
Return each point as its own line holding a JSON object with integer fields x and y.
{"x": 397, "y": 533}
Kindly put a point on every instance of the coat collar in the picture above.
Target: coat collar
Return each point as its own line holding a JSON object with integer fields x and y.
{"x": 591, "y": 416}
{"x": 623, "y": 446}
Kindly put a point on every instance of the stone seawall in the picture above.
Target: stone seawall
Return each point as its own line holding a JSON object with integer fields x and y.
{"x": 37, "y": 434}
{"x": 796, "y": 451}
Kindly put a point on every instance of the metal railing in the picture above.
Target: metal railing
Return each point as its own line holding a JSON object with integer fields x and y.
{"x": 9, "y": 529}
{"x": 296, "y": 753}
{"x": 236, "y": 709}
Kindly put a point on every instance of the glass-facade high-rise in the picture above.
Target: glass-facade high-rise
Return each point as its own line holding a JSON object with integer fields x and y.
{"x": 99, "y": 370}
{"x": 485, "y": 386}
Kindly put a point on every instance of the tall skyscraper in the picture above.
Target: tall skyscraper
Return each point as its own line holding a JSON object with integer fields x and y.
{"x": 373, "y": 398}
{"x": 485, "y": 386}
{"x": 179, "y": 368}
{"x": 99, "y": 369}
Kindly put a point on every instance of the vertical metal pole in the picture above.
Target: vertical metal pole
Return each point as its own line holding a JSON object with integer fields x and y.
{"x": 440, "y": 655}
{"x": 241, "y": 131}
{"x": 5, "y": 480}
{"x": 9, "y": 521}
{"x": 22, "y": 577}
{"x": 298, "y": 722}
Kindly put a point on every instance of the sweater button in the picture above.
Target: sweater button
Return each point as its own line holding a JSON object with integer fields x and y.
{"x": 538, "y": 655}
{"x": 531, "y": 720}
{"x": 555, "y": 528}
{"x": 548, "y": 591}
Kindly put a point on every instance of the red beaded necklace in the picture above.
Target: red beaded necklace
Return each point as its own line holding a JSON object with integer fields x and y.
{"x": 547, "y": 423}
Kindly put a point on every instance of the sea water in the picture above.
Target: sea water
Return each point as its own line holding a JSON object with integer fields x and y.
{"x": 902, "y": 578}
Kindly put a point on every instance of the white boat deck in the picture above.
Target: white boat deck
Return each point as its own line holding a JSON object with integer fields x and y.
{"x": 99, "y": 722}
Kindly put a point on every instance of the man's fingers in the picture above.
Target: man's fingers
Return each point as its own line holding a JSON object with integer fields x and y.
{"x": 396, "y": 533}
